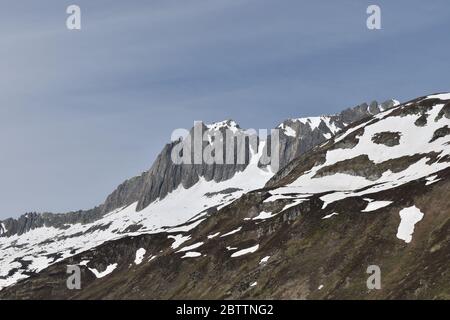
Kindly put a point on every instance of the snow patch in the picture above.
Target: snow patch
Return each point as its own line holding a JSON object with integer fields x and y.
{"x": 293, "y": 204}
{"x": 245, "y": 251}
{"x": 84, "y": 263}
{"x": 330, "y": 215}
{"x": 264, "y": 215}
{"x": 38, "y": 263}
{"x": 213, "y": 235}
{"x": 179, "y": 240}
{"x": 375, "y": 205}
{"x": 287, "y": 130}
{"x": 409, "y": 217}
{"x": 189, "y": 248}
{"x": 264, "y": 260}
{"x": 226, "y": 124}
{"x": 432, "y": 179}
{"x": 191, "y": 254}
{"x": 3, "y": 228}
{"x": 110, "y": 268}
{"x": 139, "y": 256}
{"x": 231, "y": 232}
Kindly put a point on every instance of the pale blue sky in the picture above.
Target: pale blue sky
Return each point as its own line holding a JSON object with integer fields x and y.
{"x": 82, "y": 111}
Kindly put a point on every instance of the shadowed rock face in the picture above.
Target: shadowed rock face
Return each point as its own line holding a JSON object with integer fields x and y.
{"x": 308, "y": 240}
{"x": 164, "y": 176}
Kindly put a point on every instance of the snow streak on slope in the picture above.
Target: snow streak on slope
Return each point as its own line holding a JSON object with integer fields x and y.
{"x": 3, "y": 229}
{"x": 179, "y": 211}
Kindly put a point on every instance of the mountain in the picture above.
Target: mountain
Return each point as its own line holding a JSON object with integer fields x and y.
{"x": 297, "y": 136}
{"x": 370, "y": 194}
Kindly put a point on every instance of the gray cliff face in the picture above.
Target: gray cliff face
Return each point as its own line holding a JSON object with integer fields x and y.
{"x": 296, "y": 137}
{"x": 165, "y": 176}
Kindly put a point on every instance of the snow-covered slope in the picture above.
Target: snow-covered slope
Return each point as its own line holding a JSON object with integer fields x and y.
{"x": 181, "y": 210}
{"x": 396, "y": 146}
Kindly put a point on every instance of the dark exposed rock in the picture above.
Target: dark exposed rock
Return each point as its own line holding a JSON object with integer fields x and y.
{"x": 350, "y": 141}
{"x": 359, "y": 166}
{"x": 440, "y": 133}
{"x": 422, "y": 120}
{"x": 445, "y": 111}
{"x": 389, "y": 139}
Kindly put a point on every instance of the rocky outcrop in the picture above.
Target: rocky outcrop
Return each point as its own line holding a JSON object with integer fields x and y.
{"x": 440, "y": 133}
{"x": 389, "y": 139}
{"x": 445, "y": 111}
